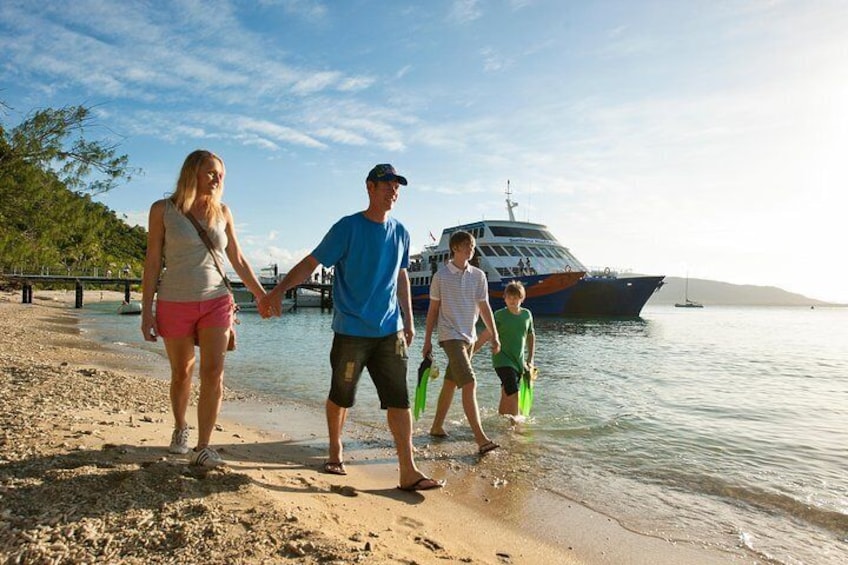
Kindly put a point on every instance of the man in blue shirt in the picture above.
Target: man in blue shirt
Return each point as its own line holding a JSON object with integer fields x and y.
{"x": 372, "y": 320}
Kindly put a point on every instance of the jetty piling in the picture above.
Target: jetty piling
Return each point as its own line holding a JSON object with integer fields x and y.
{"x": 27, "y": 282}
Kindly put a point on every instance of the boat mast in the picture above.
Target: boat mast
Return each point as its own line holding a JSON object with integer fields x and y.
{"x": 509, "y": 203}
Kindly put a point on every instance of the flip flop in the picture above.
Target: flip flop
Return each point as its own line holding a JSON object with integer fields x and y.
{"x": 487, "y": 447}
{"x": 335, "y": 468}
{"x": 424, "y": 483}
{"x": 442, "y": 435}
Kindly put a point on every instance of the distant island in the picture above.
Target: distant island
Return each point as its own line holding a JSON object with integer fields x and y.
{"x": 717, "y": 293}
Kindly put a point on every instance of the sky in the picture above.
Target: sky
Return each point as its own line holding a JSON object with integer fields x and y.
{"x": 700, "y": 138}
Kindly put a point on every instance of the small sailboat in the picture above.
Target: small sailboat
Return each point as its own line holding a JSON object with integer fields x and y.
{"x": 686, "y": 302}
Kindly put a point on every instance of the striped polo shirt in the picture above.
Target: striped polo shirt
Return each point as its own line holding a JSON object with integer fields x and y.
{"x": 459, "y": 292}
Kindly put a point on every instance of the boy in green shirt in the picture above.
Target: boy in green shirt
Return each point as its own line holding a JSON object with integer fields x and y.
{"x": 515, "y": 328}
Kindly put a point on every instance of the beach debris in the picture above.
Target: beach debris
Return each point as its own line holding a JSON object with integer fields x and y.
{"x": 344, "y": 490}
{"x": 429, "y": 543}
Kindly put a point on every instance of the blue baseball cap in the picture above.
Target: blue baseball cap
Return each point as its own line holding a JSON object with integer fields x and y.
{"x": 385, "y": 172}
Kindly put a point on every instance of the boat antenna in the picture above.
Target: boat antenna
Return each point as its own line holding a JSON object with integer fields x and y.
{"x": 509, "y": 203}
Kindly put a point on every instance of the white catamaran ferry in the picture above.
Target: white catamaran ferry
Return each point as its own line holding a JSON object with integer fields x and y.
{"x": 557, "y": 284}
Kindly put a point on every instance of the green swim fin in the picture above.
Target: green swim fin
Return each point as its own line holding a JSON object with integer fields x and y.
{"x": 525, "y": 391}
{"x": 421, "y": 388}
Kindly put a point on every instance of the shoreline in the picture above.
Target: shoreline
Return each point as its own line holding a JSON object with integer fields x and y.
{"x": 272, "y": 486}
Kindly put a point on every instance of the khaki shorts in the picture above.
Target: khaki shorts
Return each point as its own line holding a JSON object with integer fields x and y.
{"x": 459, "y": 354}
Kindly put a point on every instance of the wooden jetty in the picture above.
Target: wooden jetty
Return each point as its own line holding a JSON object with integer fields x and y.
{"x": 80, "y": 282}
{"x": 27, "y": 282}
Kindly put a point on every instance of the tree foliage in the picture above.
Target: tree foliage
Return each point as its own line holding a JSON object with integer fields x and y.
{"x": 48, "y": 173}
{"x": 55, "y": 140}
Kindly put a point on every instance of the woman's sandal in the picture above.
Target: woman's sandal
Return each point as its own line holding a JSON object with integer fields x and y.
{"x": 335, "y": 468}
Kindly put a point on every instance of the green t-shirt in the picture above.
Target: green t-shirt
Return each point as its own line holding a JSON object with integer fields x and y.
{"x": 512, "y": 330}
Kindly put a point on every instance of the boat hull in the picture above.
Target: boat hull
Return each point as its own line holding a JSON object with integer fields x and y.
{"x": 132, "y": 308}
{"x": 604, "y": 297}
{"x": 569, "y": 295}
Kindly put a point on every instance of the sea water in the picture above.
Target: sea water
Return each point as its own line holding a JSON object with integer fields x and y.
{"x": 725, "y": 426}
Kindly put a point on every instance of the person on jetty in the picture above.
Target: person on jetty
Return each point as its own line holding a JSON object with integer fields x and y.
{"x": 515, "y": 329}
{"x": 192, "y": 299}
{"x": 372, "y": 318}
{"x": 459, "y": 295}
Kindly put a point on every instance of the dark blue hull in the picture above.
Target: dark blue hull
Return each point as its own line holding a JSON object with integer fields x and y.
{"x": 610, "y": 297}
{"x": 588, "y": 297}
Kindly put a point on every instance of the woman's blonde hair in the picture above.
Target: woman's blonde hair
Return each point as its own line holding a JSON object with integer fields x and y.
{"x": 186, "y": 189}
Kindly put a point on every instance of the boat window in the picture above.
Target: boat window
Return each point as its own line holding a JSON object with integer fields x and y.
{"x": 486, "y": 251}
{"x": 536, "y": 252}
{"x": 524, "y": 250}
{"x": 512, "y": 250}
{"x": 529, "y": 233}
{"x": 500, "y": 251}
{"x": 547, "y": 252}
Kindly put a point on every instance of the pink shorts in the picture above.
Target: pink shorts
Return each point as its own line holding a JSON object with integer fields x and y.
{"x": 183, "y": 319}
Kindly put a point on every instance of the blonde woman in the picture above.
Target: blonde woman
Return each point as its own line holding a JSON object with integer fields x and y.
{"x": 192, "y": 300}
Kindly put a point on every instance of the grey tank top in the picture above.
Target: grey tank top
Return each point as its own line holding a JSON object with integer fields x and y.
{"x": 190, "y": 274}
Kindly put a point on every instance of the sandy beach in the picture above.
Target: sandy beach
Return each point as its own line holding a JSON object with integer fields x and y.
{"x": 85, "y": 477}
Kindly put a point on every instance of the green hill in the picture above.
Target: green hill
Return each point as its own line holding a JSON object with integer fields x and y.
{"x": 43, "y": 225}
{"x": 709, "y": 292}
{"x": 48, "y": 220}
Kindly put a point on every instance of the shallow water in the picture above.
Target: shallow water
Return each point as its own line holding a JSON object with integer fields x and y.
{"x": 724, "y": 425}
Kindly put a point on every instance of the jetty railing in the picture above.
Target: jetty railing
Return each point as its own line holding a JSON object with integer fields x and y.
{"x": 81, "y": 281}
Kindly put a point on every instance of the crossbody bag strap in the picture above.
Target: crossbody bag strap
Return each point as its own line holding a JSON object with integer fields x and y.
{"x": 208, "y": 242}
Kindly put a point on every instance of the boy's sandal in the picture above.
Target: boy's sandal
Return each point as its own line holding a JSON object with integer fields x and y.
{"x": 424, "y": 483}
{"x": 487, "y": 447}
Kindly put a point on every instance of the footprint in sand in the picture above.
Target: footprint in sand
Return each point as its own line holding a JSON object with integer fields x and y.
{"x": 408, "y": 522}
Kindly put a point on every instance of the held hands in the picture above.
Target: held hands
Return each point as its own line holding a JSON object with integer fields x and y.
{"x": 271, "y": 304}
{"x": 496, "y": 345}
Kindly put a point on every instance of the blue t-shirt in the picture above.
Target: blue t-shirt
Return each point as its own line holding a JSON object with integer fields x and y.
{"x": 367, "y": 257}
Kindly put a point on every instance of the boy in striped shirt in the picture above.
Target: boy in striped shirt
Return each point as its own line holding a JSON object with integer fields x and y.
{"x": 459, "y": 294}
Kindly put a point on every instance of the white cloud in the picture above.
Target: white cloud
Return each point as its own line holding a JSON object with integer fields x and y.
{"x": 340, "y": 135}
{"x": 275, "y": 131}
{"x": 316, "y": 82}
{"x": 492, "y": 60}
{"x": 464, "y": 11}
